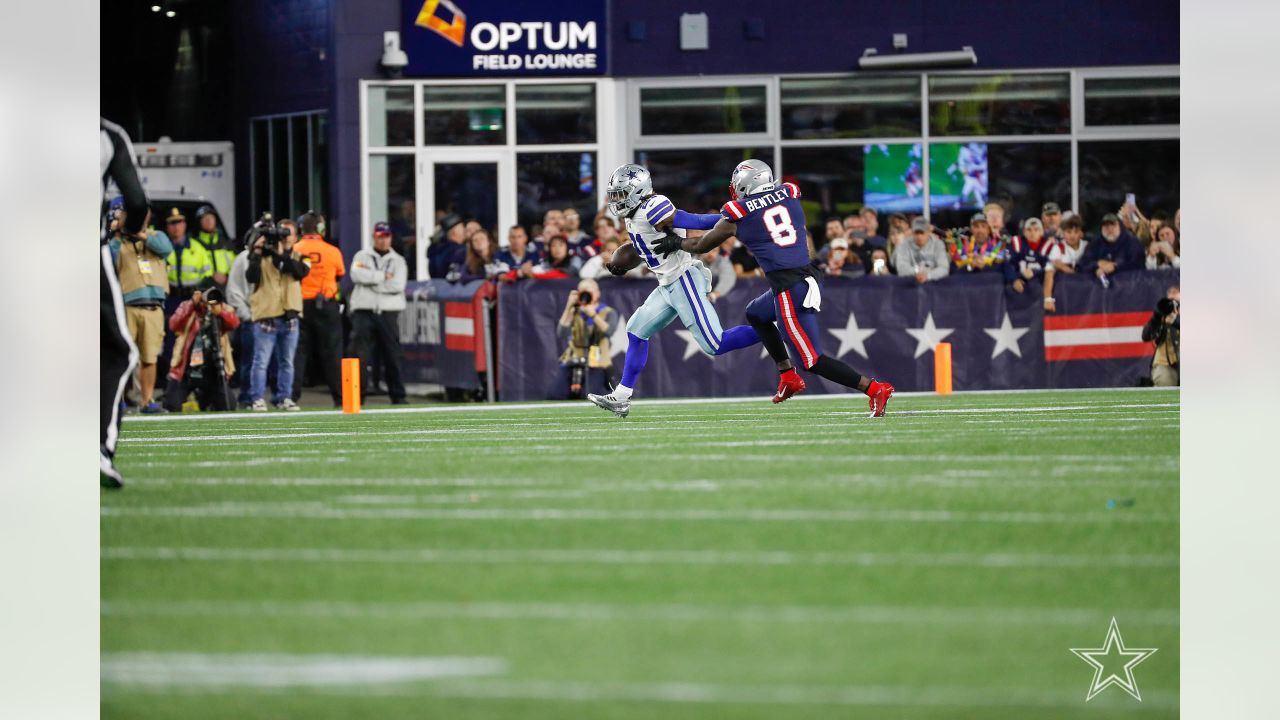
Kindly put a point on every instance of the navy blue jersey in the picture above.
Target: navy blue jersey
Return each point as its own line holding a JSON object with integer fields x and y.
{"x": 771, "y": 225}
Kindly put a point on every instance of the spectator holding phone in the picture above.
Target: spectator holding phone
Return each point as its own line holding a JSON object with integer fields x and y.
{"x": 1164, "y": 251}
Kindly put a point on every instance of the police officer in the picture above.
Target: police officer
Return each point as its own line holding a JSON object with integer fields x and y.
{"x": 119, "y": 354}
{"x": 321, "y": 332}
{"x": 220, "y": 249}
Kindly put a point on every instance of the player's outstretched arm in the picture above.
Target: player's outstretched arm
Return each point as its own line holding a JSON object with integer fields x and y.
{"x": 713, "y": 238}
{"x": 624, "y": 259}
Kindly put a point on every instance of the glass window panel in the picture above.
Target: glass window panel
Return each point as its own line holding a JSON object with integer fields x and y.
{"x": 279, "y": 206}
{"x": 301, "y": 179}
{"x": 391, "y": 199}
{"x": 1005, "y": 104}
{"x": 698, "y": 110}
{"x": 261, "y": 169}
{"x": 864, "y": 106}
{"x": 469, "y": 190}
{"x": 546, "y": 181}
{"x": 1108, "y": 170}
{"x": 1131, "y": 101}
{"x": 556, "y": 113}
{"x": 464, "y": 115}
{"x": 830, "y": 180}
{"x": 390, "y": 116}
{"x": 697, "y": 180}
{"x": 319, "y": 197}
{"x": 1019, "y": 176}
{"x": 892, "y": 178}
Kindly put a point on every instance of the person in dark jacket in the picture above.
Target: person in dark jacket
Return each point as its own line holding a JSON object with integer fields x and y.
{"x": 1115, "y": 250}
{"x": 448, "y": 248}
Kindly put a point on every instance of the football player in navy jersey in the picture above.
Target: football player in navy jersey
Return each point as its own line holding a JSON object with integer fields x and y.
{"x": 766, "y": 216}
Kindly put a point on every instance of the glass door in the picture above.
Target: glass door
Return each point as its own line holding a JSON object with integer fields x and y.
{"x": 470, "y": 183}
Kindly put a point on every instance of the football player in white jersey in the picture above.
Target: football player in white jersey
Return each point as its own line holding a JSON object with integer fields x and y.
{"x": 683, "y": 280}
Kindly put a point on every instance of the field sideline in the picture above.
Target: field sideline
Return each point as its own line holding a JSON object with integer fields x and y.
{"x": 698, "y": 559}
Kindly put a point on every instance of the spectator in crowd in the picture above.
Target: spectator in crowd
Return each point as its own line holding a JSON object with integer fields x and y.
{"x": 220, "y": 248}
{"x": 1164, "y": 331}
{"x": 552, "y": 217}
{"x": 834, "y": 229}
{"x": 840, "y": 262}
{"x": 880, "y": 262}
{"x": 404, "y": 229}
{"x": 144, "y": 285}
{"x": 899, "y": 231}
{"x": 519, "y": 256}
{"x": 448, "y": 249}
{"x": 1177, "y": 221}
{"x": 871, "y": 223}
{"x": 320, "y": 327}
{"x": 377, "y": 298}
{"x": 472, "y": 227}
{"x": 1115, "y": 250}
{"x": 1051, "y": 218}
{"x": 853, "y": 222}
{"x": 606, "y": 231}
{"x": 189, "y": 263}
{"x": 995, "y": 219}
{"x": 923, "y": 256}
{"x": 724, "y": 278}
{"x": 744, "y": 263}
{"x": 479, "y": 262}
{"x": 572, "y": 228}
{"x": 860, "y": 246}
{"x": 275, "y": 273}
{"x": 594, "y": 268}
{"x": 1062, "y": 255}
{"x": 1026, "y": 259}
{"x": 203, "y": 327}
{"x": 585, "y": 325}
{"x": 559, "y": 263}
{"x": 1163, "y": 252}
{"x": 979, "y": 249}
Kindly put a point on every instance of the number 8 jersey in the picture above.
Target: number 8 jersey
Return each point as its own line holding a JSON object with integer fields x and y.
{"x": 771, "y": 225}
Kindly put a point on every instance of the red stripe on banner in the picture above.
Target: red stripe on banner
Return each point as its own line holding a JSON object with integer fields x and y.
{"x": 458, "y": 310}
{"x": 462, "y": 314}
{"x": 1101, "y": 320}
{"x": 1097, "y": 352}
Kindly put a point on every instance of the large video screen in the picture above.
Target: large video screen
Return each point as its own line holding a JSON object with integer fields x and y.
{"x": 958, "y": 176}
{"x": 893, "y": 177}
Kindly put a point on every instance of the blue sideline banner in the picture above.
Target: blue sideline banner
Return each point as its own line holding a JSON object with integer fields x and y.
{"x": 439, "y": 334}
{"x": 882, "y": 326}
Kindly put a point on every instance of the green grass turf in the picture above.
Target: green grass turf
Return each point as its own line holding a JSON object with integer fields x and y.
{"x": 691, "y": 561}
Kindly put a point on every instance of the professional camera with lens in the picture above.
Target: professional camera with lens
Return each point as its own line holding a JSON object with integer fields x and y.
{"x": 584, "y": 298}
{"x": 271, "y": 232}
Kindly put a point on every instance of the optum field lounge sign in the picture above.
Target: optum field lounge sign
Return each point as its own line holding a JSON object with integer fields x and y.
{"x": 446, "y": 38}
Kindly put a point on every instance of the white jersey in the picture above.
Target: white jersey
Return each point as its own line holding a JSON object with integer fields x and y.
{"x": 640, "y": 227}
{"x": 1059, "y": 250}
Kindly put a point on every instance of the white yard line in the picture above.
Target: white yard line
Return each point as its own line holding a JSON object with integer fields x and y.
{"x": 597, "y": 612}
{"x": 602, "y": 556}
{"x": 499, "y": 407}
{"x": 322, "y": 511}
{"x": 279, "y": 671}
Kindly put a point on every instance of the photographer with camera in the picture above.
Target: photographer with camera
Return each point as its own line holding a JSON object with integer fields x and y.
{"x": 202, "y": 359}
{"x": 144, "y": 285}
{"x": 1164, "y": 331}
{"x": 275, "y": 273}
{"x": 585, "y": 363}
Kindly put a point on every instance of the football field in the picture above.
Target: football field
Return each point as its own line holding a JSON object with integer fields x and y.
{"x": 698, "y": 559}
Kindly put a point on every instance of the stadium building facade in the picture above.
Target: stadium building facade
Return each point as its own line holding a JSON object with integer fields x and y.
{"x": 503, "y": 110}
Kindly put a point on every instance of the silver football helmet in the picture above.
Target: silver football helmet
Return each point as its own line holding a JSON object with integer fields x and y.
{"x": 750, "y": 177}
{"x": 628, "y": 187}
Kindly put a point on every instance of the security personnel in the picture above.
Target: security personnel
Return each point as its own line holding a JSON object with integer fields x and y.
{"x": 221, "y": 249}
{"x": 144, "y": 284}
{"x": 189, "y": 263}
{"x": 321, "y": 334}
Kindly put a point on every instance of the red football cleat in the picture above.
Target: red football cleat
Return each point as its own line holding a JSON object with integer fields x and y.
{"x": 880, "y": 393}
{"x": 789, "y": 384}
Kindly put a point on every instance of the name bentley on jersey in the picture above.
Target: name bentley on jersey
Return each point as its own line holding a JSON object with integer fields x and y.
{"x": 641, "y": 227}
{"x": 765, "y": 201}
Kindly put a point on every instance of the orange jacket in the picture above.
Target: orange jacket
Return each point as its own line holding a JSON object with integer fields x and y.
{"x": 326, "y": 265}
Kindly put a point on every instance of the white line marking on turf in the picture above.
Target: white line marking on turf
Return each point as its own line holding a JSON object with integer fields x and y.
{"x": 580, "y": 405}
{"x": 276, "y": 671}
{"x": 633, "y": 557}
{"x": 588, "y": 612}
{"x": 320, "y": 511}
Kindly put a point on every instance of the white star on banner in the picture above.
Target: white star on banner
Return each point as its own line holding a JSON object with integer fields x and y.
{"x": 1128, "y": 660}
{"x": 690, "y": 345}
{"x": 928, "y": 336}
{"x": 1006, "y": 337}
{"x": 852, "y": 337}
{"x": 618, "y": 340}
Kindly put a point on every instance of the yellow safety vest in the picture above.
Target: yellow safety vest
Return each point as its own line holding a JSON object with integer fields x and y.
{"x": 189, "y": 264}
